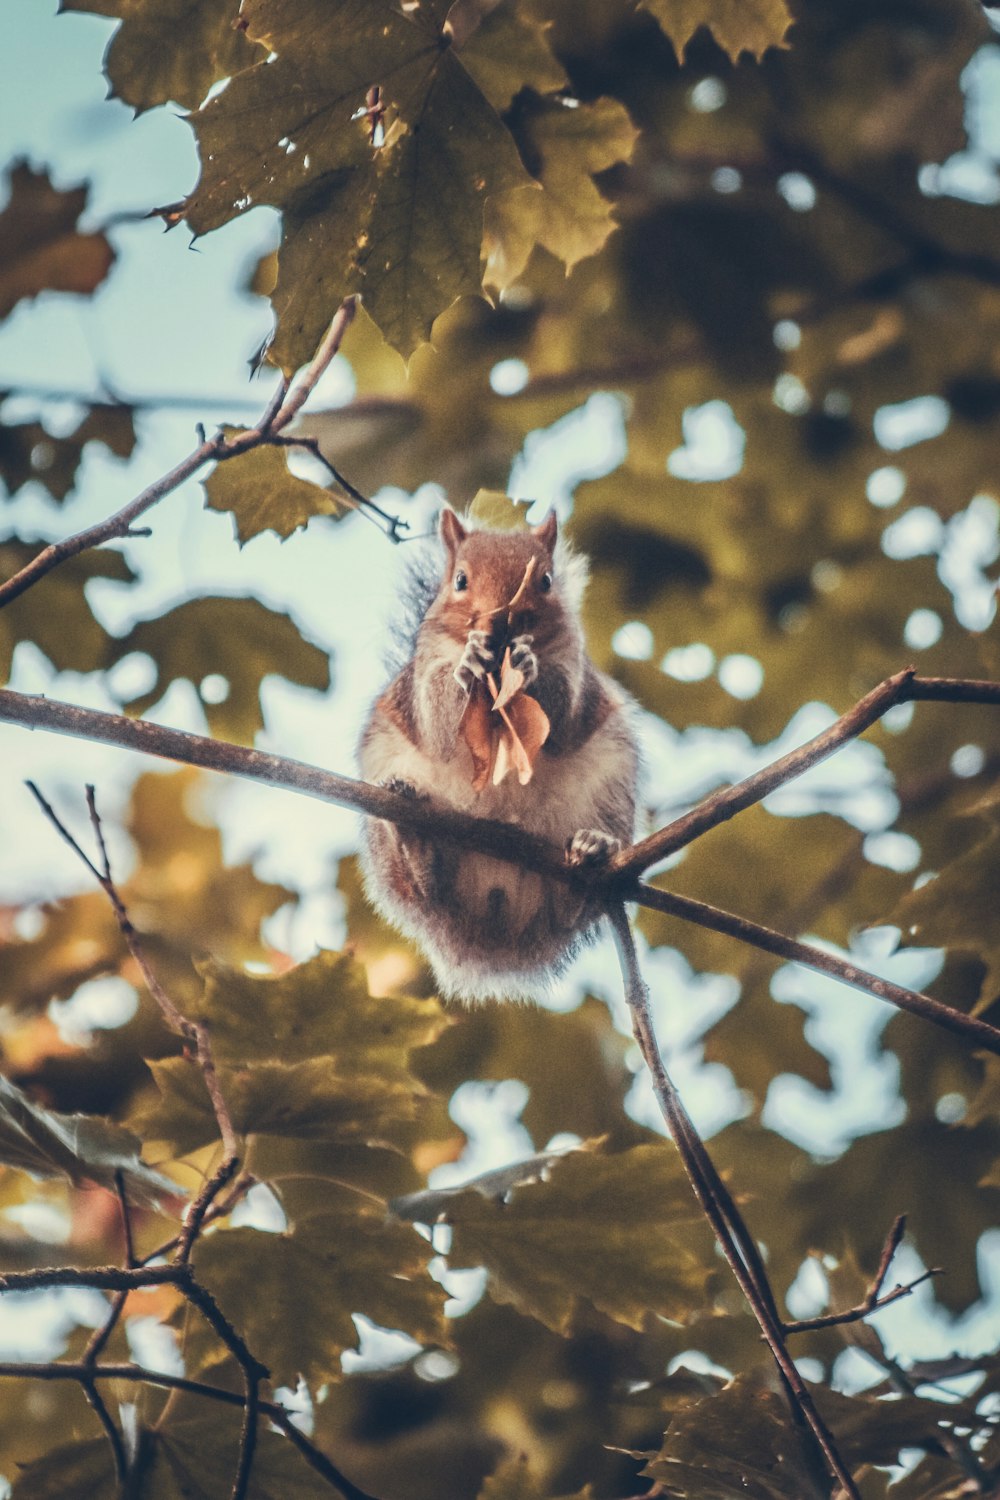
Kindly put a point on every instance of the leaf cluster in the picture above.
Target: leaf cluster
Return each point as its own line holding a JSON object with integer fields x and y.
{"x": 703, "y": 211}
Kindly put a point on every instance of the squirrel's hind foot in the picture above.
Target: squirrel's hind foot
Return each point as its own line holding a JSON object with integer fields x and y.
{"x": 589, "y": 846}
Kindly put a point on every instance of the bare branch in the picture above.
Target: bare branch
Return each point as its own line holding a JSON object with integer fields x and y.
{"x": 391, "y": 525}
{"x": 195, "y": 1032}
{"x": 722, "y": 1214}
{"x": 248, "y": 1436}
{"x": 119, "y": 525}
{"x": 103, "y": 1278}
{"x": 216, "y": 1208}
{"x": 501, "y": 840}
{"x": 331, "y": 342}
{"x": 904, "y": 687}
{"x": 273, "y": 1410}
{"x": 873, "y": 1299}
{"x": 863, "y": 1309}
{"x": 280, "y": 410}
{"x": 974, "y": 1030}
{"x": 197, "y": 1210}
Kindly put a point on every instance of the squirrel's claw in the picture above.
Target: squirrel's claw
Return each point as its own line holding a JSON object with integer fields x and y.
{"x": 476, "y": 660}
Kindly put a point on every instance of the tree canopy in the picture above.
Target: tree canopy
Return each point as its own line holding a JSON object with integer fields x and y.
{"x": 769, "y": 235}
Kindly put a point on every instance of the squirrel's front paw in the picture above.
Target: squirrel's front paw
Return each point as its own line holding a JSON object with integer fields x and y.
{"x": 522, "y": 656}
{"x": 589, "y": 846}
{"x": 403, "y": 788}
{"x": 477, "y": 659}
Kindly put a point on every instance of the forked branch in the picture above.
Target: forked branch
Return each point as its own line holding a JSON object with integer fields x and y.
{"x": 507, "y": 842}
{"x": 283, "y": 406}
{"x": 874, "y": 1298}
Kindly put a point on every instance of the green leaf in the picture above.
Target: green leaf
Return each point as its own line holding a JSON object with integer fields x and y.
{"x": 320, "y": 1007}
{"x": 312, "y": 1101}
{"x": 621, "y": 1231}
{"x": 739, "y": 1443}
{"x": 81, "y": 1148}
{"x": 495, "y": 509}
{"x": 958, "y": 908}
{"x": 169, "y": 49}
{"x": 306, "y": 1055}
{"x": 55, "y": 614}
{"x": 514, "y": 1480}
{"x": 508, "y": 51}
{"x": 425, "y": 231}
{"x": 29, "y": 451}
{"x": 70, "y": 1470}
{"x": 240, "y": 640}
{"x": 402, "y": 223}
{"x": 292, "y": 1295}
{"x": 737, "y": 25}
{"x": 569, "y": 142}
{"x": 40, "y": 249}
{"x": 263, "y": 495}
{"x": 574, "y": 1065}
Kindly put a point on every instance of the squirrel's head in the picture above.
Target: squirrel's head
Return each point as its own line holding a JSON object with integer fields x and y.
{"x": 487, "y": 572}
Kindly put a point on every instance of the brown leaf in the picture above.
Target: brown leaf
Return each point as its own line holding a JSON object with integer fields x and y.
{"x": 40, "y": 248}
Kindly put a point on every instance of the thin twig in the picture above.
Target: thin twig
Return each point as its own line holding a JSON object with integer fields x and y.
{"x": 107, "y": 1421}
{"x": 391, "y": 525}
{"x": 248, "y": 1435}
{"x": 863, "y": 1310}
{"x": 903, "y": 687}
{"x": 331, "y": 342}
{"x": 194, "y": 1218}
{"x": 273, "y": 1410}
{"x": 195, "y": 1032}
{"x": 705, "y": 1182}
{"x": 502, "y": 841}
{"x": 314, "y": 1457}
{"x": 217, "y": 1209}
{"x": 210, "y": 1310}
{"x": 126, "y": 1217}
{"x": 701, "y": 914}
{"x": 102, "y": 1278}
{"x": 873, "y": 1299}
{"x": 276, "y": 416}
{"x": 275, "y": 404}
{"x": 99, "y": 1339}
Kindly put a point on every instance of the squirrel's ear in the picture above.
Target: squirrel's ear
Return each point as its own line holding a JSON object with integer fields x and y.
{"x": 451, "y": 531}
{"x": 547, "y": 531}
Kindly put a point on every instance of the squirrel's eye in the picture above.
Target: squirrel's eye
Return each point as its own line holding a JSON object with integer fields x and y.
{"x": 461, "y": 581}
{"x": 545, "y": 582}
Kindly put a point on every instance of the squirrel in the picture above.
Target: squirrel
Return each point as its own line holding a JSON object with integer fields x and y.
{"x": 489, "y": 928}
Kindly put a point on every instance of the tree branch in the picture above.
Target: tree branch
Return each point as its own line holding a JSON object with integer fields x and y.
{"x": 903, "y": 687}
{"x": 195, "y": 1032}
{"x": 508, "y": 842}
{"x": 273, "y": 1410}
{"x": 725, "y": 1219}
{"x": 281, "y": 409}
{"x": 974, "y": 1030}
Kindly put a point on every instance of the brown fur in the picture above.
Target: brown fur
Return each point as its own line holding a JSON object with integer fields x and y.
{"x": 487, "y": 927}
